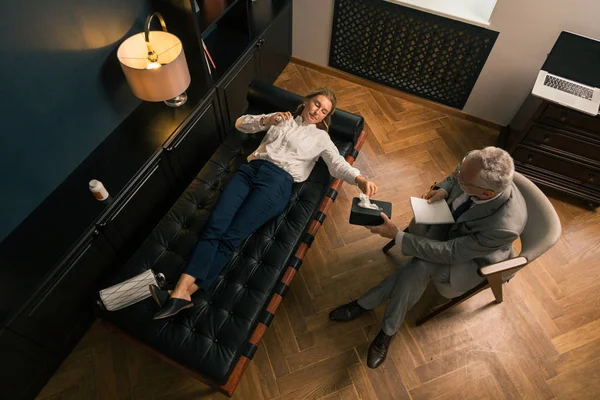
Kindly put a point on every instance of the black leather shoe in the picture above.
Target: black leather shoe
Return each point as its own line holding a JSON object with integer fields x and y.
{"x": 347, "y": 312}
{"x": 172, "y": 307}
{"x": 159, "y": 295}
{"x": 378, "y": 350}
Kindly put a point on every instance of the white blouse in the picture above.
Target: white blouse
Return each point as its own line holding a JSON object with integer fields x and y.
{"x": 295, "y": 146}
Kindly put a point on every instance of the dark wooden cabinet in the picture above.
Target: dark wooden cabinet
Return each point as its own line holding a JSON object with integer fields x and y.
{"x": 554, "y": 114}
{"x": 275, "y": 46}
{"x": 136, "y": 212}
{"x": 265, "y": 60}
{"x": 24, "y": 366}
{"x": 232, "y": 91}
{"x": 55, "y": 262}
{"x": 65, "y": 301}
{"x": 192, "y": 145}
{"x": 557, "y": 147}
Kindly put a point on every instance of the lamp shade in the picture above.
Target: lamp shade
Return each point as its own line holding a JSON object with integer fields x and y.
{"x": 160, "y": 79}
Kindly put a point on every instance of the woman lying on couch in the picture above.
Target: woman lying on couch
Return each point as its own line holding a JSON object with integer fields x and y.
{"x": 261, "y": 189}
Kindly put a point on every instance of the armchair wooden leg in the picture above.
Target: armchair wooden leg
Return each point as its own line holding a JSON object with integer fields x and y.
{"x": 392, "y": 243}
{"x": 457, "y": 300}
{"x": 495, "y": 281}
{"x": 388, "y": 246}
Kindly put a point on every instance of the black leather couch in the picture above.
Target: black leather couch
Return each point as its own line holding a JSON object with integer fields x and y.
{"x": 216, "y": 338}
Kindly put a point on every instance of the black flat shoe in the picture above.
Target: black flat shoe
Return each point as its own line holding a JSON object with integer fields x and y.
{"x": 378, "y": 350}
{"x": 347, "y": 312}
{"x": 159, "y": 295}
{"x": 172, "y": 307}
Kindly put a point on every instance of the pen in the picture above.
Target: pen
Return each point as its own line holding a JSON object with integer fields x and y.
{"x": 430, "y": 189}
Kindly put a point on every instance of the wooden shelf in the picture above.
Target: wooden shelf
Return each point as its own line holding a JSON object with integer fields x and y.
{"x": 211, "y": 12}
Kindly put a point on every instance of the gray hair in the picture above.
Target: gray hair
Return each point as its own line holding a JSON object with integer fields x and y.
{"x": 497, "y": 168}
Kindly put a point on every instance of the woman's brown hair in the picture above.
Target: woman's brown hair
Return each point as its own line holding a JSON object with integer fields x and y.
{"x": 323, "y": 91}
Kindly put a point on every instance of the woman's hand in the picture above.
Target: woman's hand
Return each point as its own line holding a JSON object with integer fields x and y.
{"x": 368, "y": 187}
{"x": 278, "y": 117}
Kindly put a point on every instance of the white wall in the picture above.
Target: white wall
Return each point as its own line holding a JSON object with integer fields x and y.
{"x": 311, "y": 32}
{"x": 528, "y": 29}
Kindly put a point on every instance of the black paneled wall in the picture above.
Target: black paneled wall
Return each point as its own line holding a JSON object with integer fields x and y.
{"x": 63, "y": 92}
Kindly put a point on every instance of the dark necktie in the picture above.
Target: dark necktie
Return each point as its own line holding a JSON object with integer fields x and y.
{"x": 460, "y": 210}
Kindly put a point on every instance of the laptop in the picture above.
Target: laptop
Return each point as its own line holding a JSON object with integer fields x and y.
{"x": 571, "y": 74}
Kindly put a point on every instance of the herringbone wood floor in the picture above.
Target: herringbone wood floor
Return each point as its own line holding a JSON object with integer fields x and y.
{"x": 543, "y": 342}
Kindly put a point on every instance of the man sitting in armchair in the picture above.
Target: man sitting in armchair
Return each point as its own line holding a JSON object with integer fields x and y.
{"x": 489, "y": 214}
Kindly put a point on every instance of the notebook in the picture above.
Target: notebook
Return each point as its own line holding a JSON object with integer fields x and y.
{"x": 431, "y": 214}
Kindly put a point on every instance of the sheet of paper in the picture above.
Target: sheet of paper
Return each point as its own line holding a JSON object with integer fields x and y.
{"x": 431, "y": 214}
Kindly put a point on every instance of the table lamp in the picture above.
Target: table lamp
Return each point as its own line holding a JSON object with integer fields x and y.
{"x": 154, "y": 65}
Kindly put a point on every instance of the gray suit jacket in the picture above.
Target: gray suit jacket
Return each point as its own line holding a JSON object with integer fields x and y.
{"x": 482, "y": 235}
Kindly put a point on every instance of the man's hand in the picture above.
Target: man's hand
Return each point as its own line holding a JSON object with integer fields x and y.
{"x": 387, "y": 229}
{"x": 435, "y": 195}
{"x": 367, "y": 187}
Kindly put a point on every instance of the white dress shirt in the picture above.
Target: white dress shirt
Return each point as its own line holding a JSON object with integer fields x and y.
{"x": 295, "y": 146}
{"x": 455, "y": 204}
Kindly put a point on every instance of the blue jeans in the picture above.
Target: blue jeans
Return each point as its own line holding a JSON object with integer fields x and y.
{"x": 257, "y": 192}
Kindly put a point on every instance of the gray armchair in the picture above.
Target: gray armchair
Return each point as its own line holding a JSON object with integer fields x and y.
{"x": 541, "y": 232}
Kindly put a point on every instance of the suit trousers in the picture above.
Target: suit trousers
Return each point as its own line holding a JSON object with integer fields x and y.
{"x": 257, "y": 192}
{"x": 406, "y": 285}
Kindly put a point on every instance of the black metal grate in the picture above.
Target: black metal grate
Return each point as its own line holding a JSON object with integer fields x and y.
{"x": 420, "y": 53}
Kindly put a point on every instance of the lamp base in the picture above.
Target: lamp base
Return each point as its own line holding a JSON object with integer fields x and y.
{"x": 177, "y": 101}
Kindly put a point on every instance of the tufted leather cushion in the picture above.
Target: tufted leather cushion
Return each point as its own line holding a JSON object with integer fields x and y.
{"x": 210, "y": 337}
